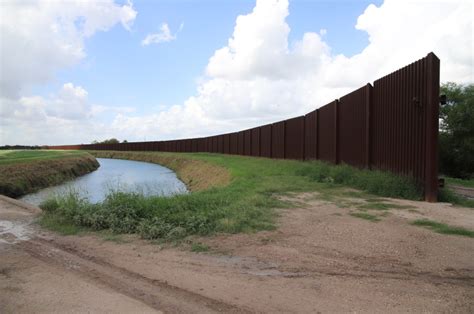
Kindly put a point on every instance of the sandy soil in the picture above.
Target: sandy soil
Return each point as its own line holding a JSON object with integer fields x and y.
{"x": 320, "y": 259}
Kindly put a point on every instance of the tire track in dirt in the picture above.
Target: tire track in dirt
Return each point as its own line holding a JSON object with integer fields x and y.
{"x": 374, "y": 267}
{"x": 155, "y": 293}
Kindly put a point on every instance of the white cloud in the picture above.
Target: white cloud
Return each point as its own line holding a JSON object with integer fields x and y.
{"x": 62, "y": 117}
{"x": 260, "y": 77}
{"x": 162, "y": 37}
{"x": 41, "y": 37}
{"x": 38, "y": 38}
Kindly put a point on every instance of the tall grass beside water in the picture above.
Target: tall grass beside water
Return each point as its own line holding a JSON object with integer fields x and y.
{"x": 246, "y": 204}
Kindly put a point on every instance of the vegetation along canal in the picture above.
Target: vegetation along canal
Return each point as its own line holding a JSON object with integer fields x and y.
{"x": 113, "y": 175}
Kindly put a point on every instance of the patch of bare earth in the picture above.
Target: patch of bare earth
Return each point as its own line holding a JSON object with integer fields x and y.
{"x": 320, "y": 259}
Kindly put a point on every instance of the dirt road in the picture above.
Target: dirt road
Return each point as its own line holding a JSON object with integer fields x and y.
{"x": 320, "y": 259}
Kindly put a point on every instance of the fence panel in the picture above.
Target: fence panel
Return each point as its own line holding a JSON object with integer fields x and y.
{"x": 266, "y": 141}
{"x": 311, "y": 136}
{"x": 240, "y": 146}
{"x": 247, "y": 142}
{"x": 255, "y": 134}
{"x": 278, "y": 139}
{"x": 188, "y": 146}
{"x": 404, "y": 123}
{"x": 234, "y": 143}
{"x": 327, "y": 132}
{"x": 294, "y": 138}
{"x": 220, "y": 144}
{"x": 353, "y": 110}
{"x": 226, "y": 143}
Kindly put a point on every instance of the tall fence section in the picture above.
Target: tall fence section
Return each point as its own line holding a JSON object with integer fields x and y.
{"x": 391, "y": 125}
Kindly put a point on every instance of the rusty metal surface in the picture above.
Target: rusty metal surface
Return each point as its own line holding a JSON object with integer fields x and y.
{"x": 294, "y": 138}
{"x": 352, "y": 122}
{"x": 404, "y": 123}
{"x": 240, "y": 146}
{"x": 278, "y": 139}
{"x": 266, "y": 141}
{"x": 226, "y": 143}
{"x": 234, "y": 143}
{"x": 391, "y": 126}
{"x": 255, "y": 134}
{"x": 310, "y": 136}
{"x": 220, "y": 144}
{"x": 327, "y": 132}
{"x": 247, "y": 142}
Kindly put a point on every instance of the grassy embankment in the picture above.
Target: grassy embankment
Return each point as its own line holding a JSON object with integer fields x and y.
{"x": 230, "y": 194}
{"x": 25, "y": 171}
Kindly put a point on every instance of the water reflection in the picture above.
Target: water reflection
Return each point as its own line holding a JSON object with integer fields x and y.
{"x": 116, "y": 175}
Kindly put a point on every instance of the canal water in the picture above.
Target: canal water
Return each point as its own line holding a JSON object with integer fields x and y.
{"x": 116, "y": 175}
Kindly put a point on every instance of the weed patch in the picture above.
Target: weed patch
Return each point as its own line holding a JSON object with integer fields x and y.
{"x": 375, "y": 182}
{"x": 365, "y": 216}
{"x": 383, "y": 206}
{"x": 448, "y": 196}
{"x": 443, "y": 228}
{"x": 199, "y": 247}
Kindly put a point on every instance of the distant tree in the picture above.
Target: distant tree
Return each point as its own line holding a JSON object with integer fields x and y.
{"x": 124, "y": 141}
{"x": 109, "y": 141}
{"x": 456, "y": 140}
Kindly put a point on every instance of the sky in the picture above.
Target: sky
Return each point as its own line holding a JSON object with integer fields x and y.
{"x": 73, "y": 72}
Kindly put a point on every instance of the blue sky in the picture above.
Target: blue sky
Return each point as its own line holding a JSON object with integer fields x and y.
{"x": 119, "y": 71}
{"x": 78, "y": 71}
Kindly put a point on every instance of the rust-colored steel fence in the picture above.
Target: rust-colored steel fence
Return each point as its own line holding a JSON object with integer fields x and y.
{"x": 392, "y": 126}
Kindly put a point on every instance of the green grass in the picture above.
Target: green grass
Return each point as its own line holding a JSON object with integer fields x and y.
{"x": 448, "y": 196}
{"x": 461, "y": 182}
{"x": 21, "y": 156}
{"x": 199, "y": 247}
{"x": 444, "y": 228}
{"x": 61, "y": 226}
{"x": 246, "y": 204}
{"x": 383, "y": 206}
{"x": 366, "y": 216}
{"x": 25, "y": 171}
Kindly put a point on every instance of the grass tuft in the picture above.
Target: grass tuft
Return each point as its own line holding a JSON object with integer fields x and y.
{"x": 383, "y": 206}
{"x": 443, "y": 228}
{"x": 199, "y": 247}
{"x": 365, "y": 216}
{"x": 448, "y": 196}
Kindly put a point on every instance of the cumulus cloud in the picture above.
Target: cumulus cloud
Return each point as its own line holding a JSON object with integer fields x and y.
{"x": 162, "y": 37}
{"x": 260, "y": 77}
{"x": 61, "y": 117}
{"x": 38, "y": 38}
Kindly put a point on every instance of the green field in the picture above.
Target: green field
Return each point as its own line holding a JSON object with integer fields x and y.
{"x": 25, "y": 171}
{"x": 247, "y": 203}
{"x": 20, "y": 156}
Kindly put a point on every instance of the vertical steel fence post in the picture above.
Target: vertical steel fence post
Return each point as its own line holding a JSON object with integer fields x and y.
{"x": 432, "y": 128}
